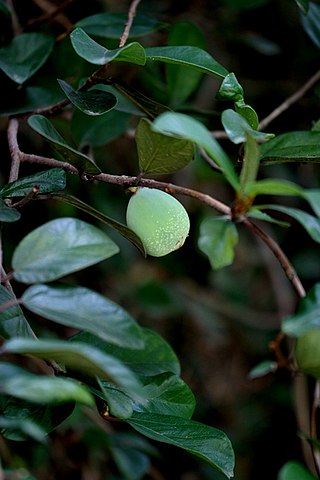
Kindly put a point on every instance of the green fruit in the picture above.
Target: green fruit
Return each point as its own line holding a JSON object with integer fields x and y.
{"x": 308, "y": 353}
{"x": 160, "y": 221}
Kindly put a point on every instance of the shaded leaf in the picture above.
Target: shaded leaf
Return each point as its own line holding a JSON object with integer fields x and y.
{"x": 81, "y": 308}
{"x": 188, "y": 56}
{"x": 118, "y": 403}
{"x": 119, "y": 227}
{"x": 8, "y": 214}
{"x": 299, "y": 146}
{"x": 44, "y": 127}
{"x": 208, "y": 443}
{"x": 95, "y": 53}
{"x": 12, "y": 321}
{"x": 49, "y": 181}
{"x": 93, "y": 102}
{"x": 159, "y": 153}
{"x": 58, "y": 248}
{"x": 24, "y": 428}
{"x": 25, "y": 54}
{"x": 310, "y": 20}
{"x": 111, "y": 25}
{"x": 218, "y": 237}
{"x": 186, "y": 127}
{"x": 295, "y": 471}
{"x": 307, "y": 316}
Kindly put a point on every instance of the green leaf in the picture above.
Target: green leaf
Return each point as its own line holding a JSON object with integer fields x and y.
{"x": 208, "y": 443}
{"x": 58, "y": 248}
{"x": 192, "y": 57}
{"x": 254, "y": 212}
{"x": 44, "y": 127}
{"x": 274, "y": 187}
{"x": 237, "y": 128}
{"x": 311, "y": 21}
{"x": 180, "y": 85}
{"x": 41, "y": 389}
{"x": 48, "y": 181}
{"x": 299, "y": 146}
{"x": 310, "y": 223}
{"x": 25, "y": 54}
{"x": 230, "y": 88}
{"x": 12, "y": 321}
{"x": 119, "y": 227}
{"x": 307, "y": 316}
{"x": 21, "y": 428}
{"x": 141, "y": 361}
{"x": 94, "y": 102}
{"x": 312, "y": 196}
{"x": 159, "y": 153}
{"x": 119, "y": 404}
{"x": 250, "y": 164}
{"x": 79, "y": 357}
{"x": 262, "y": 369}
{"x": 295, "y": 471}
{"x": 218, "y": 237}
{"x": 186, "y": 127}
{"x": 8, "y": 214}
{"x": 95, "y": 53}
{"x": 81, "y": 308}
{"x": 111, "y": 25}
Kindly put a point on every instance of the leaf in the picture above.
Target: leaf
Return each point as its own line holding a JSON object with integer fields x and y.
{"x": 250, "y": 164}
{"x": 119, "y": 227}
{"x": 141, "y": 361}
{"x": 208, "y": 443}
{"x": 58, "y": 248}
{"x": 230, "y": 88}
{"x": 48, "y": 181}
{"x": 186, "y": 127}
{"x": 263, "y": 369}
{"x": 188, "y": 56}
{"x": 310, "y": 223}
{"x": 8, "y": 214}
{"x": 295, "y": 471}
{"x": 118, "y": 403}
{"x": 23, "y": 428}
{"x": 111, "y": 25}
{"x": 25, "y": 54}
{"x": 274, "y": 187}
{"x": 94, "y": 102}
{"x": 312, "y": 196}
{"x": 44, "y": 127}
{"x": 12, "y": 321}
{"x": 299, "y": 146}
{"x": 311, "y": 21}
{"x": 41, "y": 389}
{"x": 78, "y": 356}
{"x": 237, "y": 128}
{"x": 159, "y": 153}
{"x": 303, "y": 5}
{"x": 307, "y": 316}
{"x": 254, "y": 212}
{"x": 95, "y": 53}
{"x": 218, "y": 237}
{"x": 81, "y": 308}
{"x": 180, "y": 85}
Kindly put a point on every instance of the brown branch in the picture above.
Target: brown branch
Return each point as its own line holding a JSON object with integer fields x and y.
{"x": 290, "y": 100}
{"x": 51, "y": 9}
{"x": 13, "y": 148}
{"x": 131, "y": 15}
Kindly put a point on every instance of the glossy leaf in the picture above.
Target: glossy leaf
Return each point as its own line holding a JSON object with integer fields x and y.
{"x": 41, "y": 389}
{"x": 307, "y": 316}
{"x": 311, "y": 22}
{"x": 79, "y": 357}
{"x": 237, "y": 128}
{"x": 25, "y": 54}
{"x": 159, "y": 153}
{"x": 12, "y": 320}
{"x": 93, "y": 102}
{"x": 186, "y": 127}
{"x": 295, "y": 471}
{"x": 119, "y": 227}
{"x": 48, "y": 181}
{"x": 95, "y": 53}
{"x": 208, "y": 443}
{"x": 44, "y": 127}
{"x": 58, "y": 248}
{"x": 230, "y": 88}
{"x": 8, "y": 214}
{"x": 299, "y": 146}
{"x": 81, "y": 308}
{"x": 218, "y": 238}
{"x": 141, "y": 361}
{"x": 188, "y": 56}
{"x": 111, "y": 25}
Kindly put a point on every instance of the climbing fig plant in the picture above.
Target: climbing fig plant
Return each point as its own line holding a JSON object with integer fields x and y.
{"x": 70, "y": 95}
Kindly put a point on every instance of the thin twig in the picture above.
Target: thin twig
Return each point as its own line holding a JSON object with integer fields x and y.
{"x": 14, "y": 149}
{"x": 131, "y": 15}
{"x": 290, "y": 100}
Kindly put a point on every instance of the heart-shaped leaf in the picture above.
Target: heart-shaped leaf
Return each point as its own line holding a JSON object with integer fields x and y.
{"x": 44, "y": 127}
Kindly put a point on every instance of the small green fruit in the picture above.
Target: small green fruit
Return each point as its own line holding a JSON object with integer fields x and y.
{"x": 160, "y": 221}
{"x": 307, "y": 352}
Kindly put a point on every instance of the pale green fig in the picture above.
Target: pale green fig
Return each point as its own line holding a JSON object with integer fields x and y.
{"x": 307, "y": 352}
{"x": 159, "y": 219}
